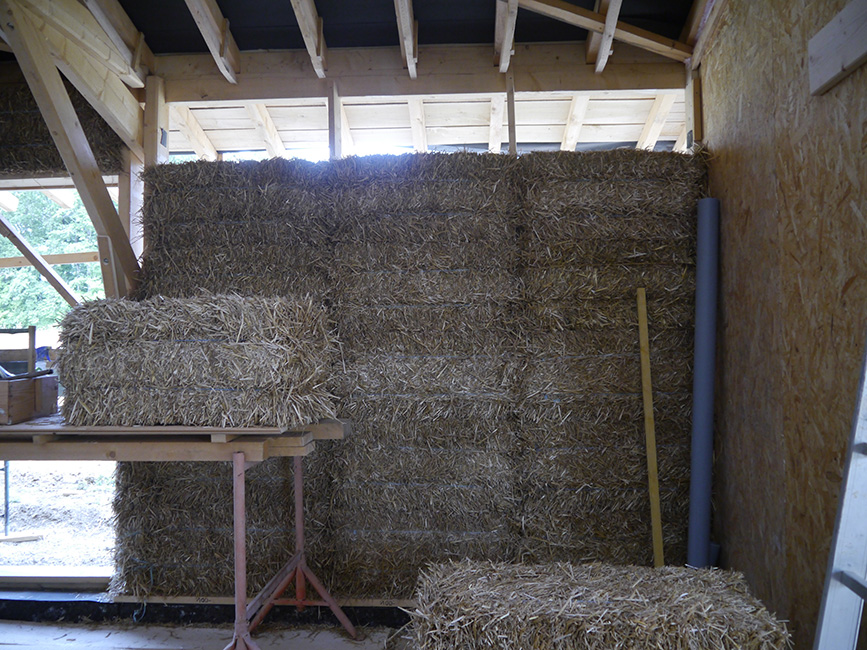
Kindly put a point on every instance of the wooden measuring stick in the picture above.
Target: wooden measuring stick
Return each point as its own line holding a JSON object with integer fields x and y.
{"x": 650, "y": 431}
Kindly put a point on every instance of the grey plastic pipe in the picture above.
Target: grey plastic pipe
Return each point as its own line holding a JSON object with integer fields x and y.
{"x": 706, "y": 272}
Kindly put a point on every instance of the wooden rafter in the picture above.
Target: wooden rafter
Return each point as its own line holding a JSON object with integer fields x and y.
{"x": 266, "y": 130}
{"x": 122, "y": 32}
{"x": 189, "y": 126}
{"x": 54, "y": 260}
{"x": 655, "y": 121}
{"x": 75, "y": 22}
{"x": 407, "y": 29}
{"x": 839, "y": 48}
{"x": 377, "y": 72}
{"x": 607, "y": 38}
{"x": 694, "y": 21}
{"x": 707, "y": 30}
{"x": 594, "y": 39}
{"x": 214, "y": 28}
{"x": 8, "y": 231}
{"x": 417, "y": 124}
{"x": 504, "y": 32}
{"x": 590, "y": 20}
{"x": 64, "y": 198}
{"x": 577, "y": 112}
{"x": 311, "y": 30}
{"x": 99, "y": 85}
{"x": 50, "y": 94}
{"x": 495, "y": 134}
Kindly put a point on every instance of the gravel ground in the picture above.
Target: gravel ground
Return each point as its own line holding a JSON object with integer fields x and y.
{"x": 69, "y": 504}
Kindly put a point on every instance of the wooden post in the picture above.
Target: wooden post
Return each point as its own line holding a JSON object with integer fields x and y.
{"x": 650, "y": 431}
{"x": 31, "y": 348}
{"x": 335, "y": 128}
{"x": 130, "y": 199}
{"x": 156, "y": 122}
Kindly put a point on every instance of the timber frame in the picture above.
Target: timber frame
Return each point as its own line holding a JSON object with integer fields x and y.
{"x": 411, "y": 96}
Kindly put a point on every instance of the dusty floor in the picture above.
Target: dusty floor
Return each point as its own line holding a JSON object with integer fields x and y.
{"x": 69, "y": 504}
{"x": 17, "y": 636}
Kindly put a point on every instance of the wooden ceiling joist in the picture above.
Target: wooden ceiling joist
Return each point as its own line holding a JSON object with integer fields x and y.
{"x": 48, "y": 90}
{"x": 574, "y": 123}
{"x": 266, "y": 130}
{"x": 54, "y": 260}
{"x": 417, "y": 124}
{"x": 590, "y": 20}
{"x": 495, "y": 134}
{"x": 214, "y": 28}
{"x": 30, "y": 253}
{"x": 504, "y": 33}
{"x": 655, "y": 121}
{"x": 99, "y": 85}
{"x": 607, "y": 37}
{"x": 378, "y": 73}
{"x": 122, "y": 32}
{"x": 189, "y": 126}
{"x": 75, "y": 22}
{"x": 311, "y": 30}
{"x": 407, "y": 29}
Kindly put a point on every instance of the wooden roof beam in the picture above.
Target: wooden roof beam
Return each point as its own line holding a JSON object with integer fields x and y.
{"x": 607, "y": 37}
{"x": 407, "y": 29}
{"x": 193, "y": 132}
{"x": 123, "y": 33}
{"x": 655, "y": 121}
{"x": 694, "y": 21}
{"x": 59, "y": 284}
{"x": 48, "y": 90}
{"x": 76, "y": 23}
{"x": 101, "y": 87}
{"x": 54, "y": 260}
{"x": 214, "y": 28}
{"x": 63, "y": 198}
{"x": 266, "y": 130}
{"x": 594, "y": 39}
{"x": 707, "y": 30}
{"x": 592, "y": 21}
{"x": 504, "y": 33}
{"x": 417, "y": 123}
{"x": 577, "y": 113}
{"x": 311, "y": 30}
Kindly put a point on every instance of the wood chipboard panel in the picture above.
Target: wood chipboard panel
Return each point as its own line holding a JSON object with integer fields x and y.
{"x": 789, "y": 169}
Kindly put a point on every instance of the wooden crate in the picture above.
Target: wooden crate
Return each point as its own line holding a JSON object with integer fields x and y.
{"x": 24, "y": 399}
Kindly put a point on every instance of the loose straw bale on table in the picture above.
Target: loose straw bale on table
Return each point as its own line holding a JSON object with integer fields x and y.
{"x": 475, "y": 605}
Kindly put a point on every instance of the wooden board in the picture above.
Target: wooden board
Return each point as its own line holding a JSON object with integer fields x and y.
{"x": 16, "y": 400}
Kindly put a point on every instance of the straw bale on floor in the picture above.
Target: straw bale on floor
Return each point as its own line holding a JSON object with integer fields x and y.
{"x": 475, "y": 605}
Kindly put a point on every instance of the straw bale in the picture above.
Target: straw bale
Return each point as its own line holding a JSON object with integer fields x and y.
{"x": 386, "y": 563}
{"x": 474, "y": 605}
{"x": 618, "y": 251}
{"x": 609, "y": 523}
{"x": 482, "y": 375}
{"x": 609, "y": 282}
{"x": 207, "y": 361}
{"x": 427, "y": 287}
{"x": 607, "y": 373}
{"x": 26, "y": 146}
{"x": 590, "y": 341}
{"x": 443, "y": 421}
{"x": 458, "y": 329}
{"x": 576, "y": 228}
{"x": 484, "y": 253}
{"x": 663, "y": 312}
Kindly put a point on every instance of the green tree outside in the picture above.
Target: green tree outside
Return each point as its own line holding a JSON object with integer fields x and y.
{"x": 26, "y": 298}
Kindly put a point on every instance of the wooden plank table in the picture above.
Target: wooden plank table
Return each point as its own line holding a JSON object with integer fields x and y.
{"x": 50, "y": 438}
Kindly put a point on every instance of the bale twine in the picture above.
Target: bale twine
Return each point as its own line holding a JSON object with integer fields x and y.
{"x": 475, "y": 605}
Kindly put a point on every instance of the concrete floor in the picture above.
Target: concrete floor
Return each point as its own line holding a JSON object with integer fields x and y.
{"x": 15, "y": 635}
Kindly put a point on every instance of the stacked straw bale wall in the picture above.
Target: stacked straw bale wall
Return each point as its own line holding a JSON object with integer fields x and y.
{"x": 26, "y": 146}
{"x": 485, "y": 308}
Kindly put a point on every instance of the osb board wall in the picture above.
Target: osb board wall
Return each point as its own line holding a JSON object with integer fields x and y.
{"x": 790, "y": 171}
